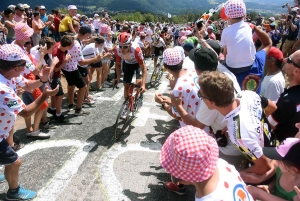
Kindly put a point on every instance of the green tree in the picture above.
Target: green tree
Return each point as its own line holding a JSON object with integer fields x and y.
{"x": 148, "y": 17}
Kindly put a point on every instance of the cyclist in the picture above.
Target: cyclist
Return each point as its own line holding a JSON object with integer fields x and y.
{"x": 158, "y": 45}
{"x": 133, "y": 61}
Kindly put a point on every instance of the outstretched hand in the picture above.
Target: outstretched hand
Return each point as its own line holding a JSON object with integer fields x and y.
{"x": 50, "y": 92}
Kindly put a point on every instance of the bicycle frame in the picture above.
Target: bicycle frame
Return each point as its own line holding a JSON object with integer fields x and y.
{"x": 132, "y": 97}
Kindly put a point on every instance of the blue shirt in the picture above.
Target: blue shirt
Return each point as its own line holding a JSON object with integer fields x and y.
{"x": 252, "y": 78}
{"x": 45, "y": 31}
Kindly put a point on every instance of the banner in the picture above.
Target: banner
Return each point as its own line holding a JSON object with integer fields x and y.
{"x": 169, "y": 15}
{"x": 205, "y": 17}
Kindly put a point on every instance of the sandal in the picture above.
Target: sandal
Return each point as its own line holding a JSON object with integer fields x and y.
{"x": 18, "y": 146}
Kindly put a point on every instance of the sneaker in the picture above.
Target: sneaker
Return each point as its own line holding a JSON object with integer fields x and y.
{"x": 2, "y": 178}
{"x": 18, "y": 146}
{"x": 53, "y": 112}
{"x": 92, "y": 88}
{"x": 81, "y": 112}
{"x": 88, "y": 101}
{"x": 71, "y": 107}
{"x": 108, "y": 83}
{"x": 49, "y": 125}
{"x": 61, "y": 119}
{"x": 124, "y": 113}
{"x": 38, "y": 134}
{"x": 180, "y": 190}
{"x": 105, "y": 85}
{"x": 20, "y": 194}
{"x": 101, "y": 89}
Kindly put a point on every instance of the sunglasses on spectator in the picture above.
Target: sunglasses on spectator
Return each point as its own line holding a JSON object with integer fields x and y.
{"x": 201, "y": 96}
{"x": 123, "y": 46}
{"x": 290, "y": 61}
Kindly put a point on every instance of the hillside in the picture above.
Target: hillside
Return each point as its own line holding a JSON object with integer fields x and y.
{"x": 153, "y": 6}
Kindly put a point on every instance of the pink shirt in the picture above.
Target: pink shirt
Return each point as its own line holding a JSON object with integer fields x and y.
{"x": 17, "y": 18}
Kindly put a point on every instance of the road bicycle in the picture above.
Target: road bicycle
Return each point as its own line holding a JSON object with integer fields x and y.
{"x": 130, "y": 106}
{"x": 157, "y": 72}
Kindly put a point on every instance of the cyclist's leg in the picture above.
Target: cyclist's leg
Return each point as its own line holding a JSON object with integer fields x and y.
{"x": 156, "y": 54}
{"x": 138, "y": 75}
{"x": 128, "y": 70}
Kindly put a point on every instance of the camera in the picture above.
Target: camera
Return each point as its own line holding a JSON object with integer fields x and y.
{"x": 283, "y": 6}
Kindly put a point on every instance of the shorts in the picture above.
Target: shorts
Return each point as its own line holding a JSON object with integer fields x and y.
{"x": 105, "y": 60}
{"x": 74, "y": 78}
{"x": 53, "y": 85}
{"x": 96, "y": 65}
{"x": 7, "y": 154}
{"x": 83, "y": 71}
{"x": 158, "y": 51}
{"x": 129, "y": 70}
{"x": 30, "y": 97}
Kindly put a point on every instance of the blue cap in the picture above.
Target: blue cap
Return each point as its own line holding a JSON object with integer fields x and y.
{"x": 84, "y": 29}
{"x": 188, "y": 47}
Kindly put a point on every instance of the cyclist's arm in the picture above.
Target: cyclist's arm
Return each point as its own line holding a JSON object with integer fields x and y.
{"x": 118, "y": 70}
{"x": 144, "y": 74}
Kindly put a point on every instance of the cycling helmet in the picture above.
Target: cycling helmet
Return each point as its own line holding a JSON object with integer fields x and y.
{"x": 124, "y": 38}
{"x": 155, "y": 38}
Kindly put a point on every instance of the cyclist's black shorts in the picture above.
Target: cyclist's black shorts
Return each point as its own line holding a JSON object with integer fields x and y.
{"x": 158, "y": 51}
{"x": 129, "y": 70}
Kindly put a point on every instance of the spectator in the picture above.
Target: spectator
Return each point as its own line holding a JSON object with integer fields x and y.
{"x": 259, "y": 20}
{"x": 293, "y": 29}
{"x": 210, "y": 32}
{"x": 37, "y": 25}
{"x": 217, "y": 92}
{"x": 44, "y": 19}
{"x": 191, "y": 156}
{"x": 288, "y": 109}
{"x": 187, "y": 62}
{"x": 3, "y": 34}
{"x": 9, "y": 23}
{"x": 12, "y": 63}
{"x": 19, "y": 10}
{"x": 273, "y": 83}
{"x": 274, "y": 34}
{"x": 268, "y": 24}
{"x": 56, "y": 25}
{"x": 96, "y": 23}
{"x": 66, "y": 25}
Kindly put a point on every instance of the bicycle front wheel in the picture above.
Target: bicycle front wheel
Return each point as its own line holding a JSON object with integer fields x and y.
{"x": 122, "y": 119}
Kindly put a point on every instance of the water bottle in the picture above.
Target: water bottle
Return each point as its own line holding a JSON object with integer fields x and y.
{"x": 140, "y": 102}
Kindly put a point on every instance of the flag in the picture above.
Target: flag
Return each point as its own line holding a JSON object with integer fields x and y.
{"x": 169, "y": 15}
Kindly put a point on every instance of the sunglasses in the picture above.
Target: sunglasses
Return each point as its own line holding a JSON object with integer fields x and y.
{"x": 201, "y": 96}
{"x": 123, "y": 46}
{"x": 290, "y": 61}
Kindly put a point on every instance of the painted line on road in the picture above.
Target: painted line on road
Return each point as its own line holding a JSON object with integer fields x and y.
{"x": 106, "y": 171}
{"x": 61, "y": 179}
{"x": 144, "y": 114}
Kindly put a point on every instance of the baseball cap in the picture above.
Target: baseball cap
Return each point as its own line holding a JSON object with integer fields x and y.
{"x": 11, "y": 7}
{"x": 188, "y": 47}
{"x": 214, "y": 45}
{"x": 72, "y": 7}
{"x": 188, "y": 32}
{"x": 23, "y": 31}
{"x": 190, "y": 154}
{"x": 205, "y": 59}
{"x": 288, "y": 150}
{"x": 12, "y": 52}
{"x": 26, "y": 6}
{"x": 20, "y": 7}
{"x": 210, "y": 27}
{"x": 42, "y": 7}
{"x": 182, "y": 39}
{"x": 273, "y": 24}
{"x": 235, "y": 8}
{"x": 8, "y": 11}
{"x": 172, "y": 57}
{"x": 276, "y": 53}
{"x": 84, "y": 29}
{"x": 96, "y": 15}
{"x": 272, "y": 19}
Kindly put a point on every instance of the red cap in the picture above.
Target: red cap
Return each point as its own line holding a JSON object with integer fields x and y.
{"x": 276, "y": 53}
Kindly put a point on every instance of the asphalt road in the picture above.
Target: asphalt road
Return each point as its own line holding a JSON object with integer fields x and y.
{"x": 81, "y": 162}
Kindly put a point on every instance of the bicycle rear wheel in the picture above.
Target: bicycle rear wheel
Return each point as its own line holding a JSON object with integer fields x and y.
{"x": 153, "y": 77}
{"x": 121, "y": 123}
{"x": 159, "y": 73}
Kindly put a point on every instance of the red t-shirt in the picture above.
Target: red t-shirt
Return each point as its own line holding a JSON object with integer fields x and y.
{"x": 61, "y": 57}
{"x": 56, "y": 24}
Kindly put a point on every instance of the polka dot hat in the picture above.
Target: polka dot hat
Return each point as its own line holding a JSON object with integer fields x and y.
{"x": 23, "y": 31}
{"x": 172, "y": 56}
{"x": 190, "y": 154}
{"x": 12, "y": 52}
{"x": 235, "y": 8}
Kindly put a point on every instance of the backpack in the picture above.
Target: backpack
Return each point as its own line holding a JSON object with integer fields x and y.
{"x": 275, "y": 38}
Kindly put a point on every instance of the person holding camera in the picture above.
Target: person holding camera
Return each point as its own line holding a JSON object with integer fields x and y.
{"x": 293, "y": 29}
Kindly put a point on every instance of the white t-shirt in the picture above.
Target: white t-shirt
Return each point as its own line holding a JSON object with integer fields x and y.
{"x": 238, "y": 40}
{"x": 96, "y": 23}
{"x": 246, "y": 129}
{"x": 187, "y": 85}
{"x": 188, "y": 64}
{"x": 230, "y": 186}
{"x": 36, "y": 55}
{"x": 272, "y": 86}
{"x": 141, "y": 44}
{"x": 90, "y": 51}
{"x": 149, "y": 33}
{"x": 159, "y": 43}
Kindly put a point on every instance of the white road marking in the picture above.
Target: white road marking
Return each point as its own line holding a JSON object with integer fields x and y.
{"x": 106, "y": 171}
{"x": 144, "y": 114}
{"x": 61, "y": 179}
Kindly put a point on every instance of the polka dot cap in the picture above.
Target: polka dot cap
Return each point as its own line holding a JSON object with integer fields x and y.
{"x": 172, "y": 56}
{"x": 235, "y": 8}
{"x": 23, "y": 31}
{"x": 12, "y": 52}
{"x": 190, "y": 154}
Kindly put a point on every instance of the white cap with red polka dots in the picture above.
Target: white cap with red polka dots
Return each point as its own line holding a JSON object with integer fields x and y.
{"x": 12, "y": 52}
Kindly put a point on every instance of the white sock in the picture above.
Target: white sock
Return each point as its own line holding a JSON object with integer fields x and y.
{"x": 52, "y": 108}
{"x": 58, "y": 114}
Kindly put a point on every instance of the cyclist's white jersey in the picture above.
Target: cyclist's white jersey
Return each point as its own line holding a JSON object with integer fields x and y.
{"x": 136, "y": 55}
